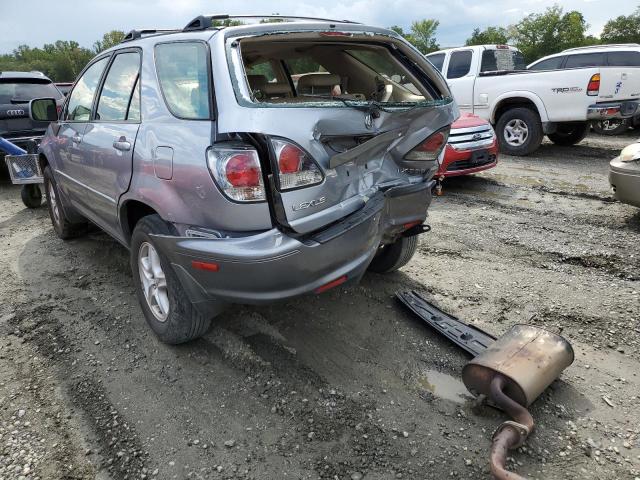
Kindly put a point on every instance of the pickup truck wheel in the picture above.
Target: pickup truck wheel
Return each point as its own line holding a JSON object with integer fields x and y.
{"x": 568, "y": 134}
{"x": 164, "y": 302}
{"x": 519, "y": 131}
{"x": 61, "y": 225}
{"x": 614, "y": 126}
{"x": 390, "y": 258}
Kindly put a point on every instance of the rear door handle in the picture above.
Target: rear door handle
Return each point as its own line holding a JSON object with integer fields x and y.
{"x": 122, "y": 144}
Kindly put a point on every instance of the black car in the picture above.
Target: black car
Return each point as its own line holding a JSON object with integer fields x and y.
{"x": 16, "y": 90}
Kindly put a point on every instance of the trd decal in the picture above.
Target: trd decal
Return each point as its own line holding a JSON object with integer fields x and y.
{"x": 566, "y": 90}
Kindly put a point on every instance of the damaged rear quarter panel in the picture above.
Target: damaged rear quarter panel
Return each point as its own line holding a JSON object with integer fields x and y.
{"x": 350, "y": 181}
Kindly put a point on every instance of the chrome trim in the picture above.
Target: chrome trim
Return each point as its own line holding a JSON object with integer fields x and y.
{"x": 93, "y": 190}
{"x": 472, "y": 138}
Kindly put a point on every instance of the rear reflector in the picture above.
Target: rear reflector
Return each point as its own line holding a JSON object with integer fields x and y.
{"x": 207, "y": 266}
{"x": 331, "y": 284}
{"x": 594, "y": 85}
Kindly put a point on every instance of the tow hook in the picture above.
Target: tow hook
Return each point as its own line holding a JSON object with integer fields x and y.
{"x": 511, "y": 371}
{"x": 416, "y": 230}
{"x": 438, "y": 188}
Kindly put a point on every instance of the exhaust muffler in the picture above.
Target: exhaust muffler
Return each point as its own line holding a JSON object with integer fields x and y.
{"x": 511, "y": 371}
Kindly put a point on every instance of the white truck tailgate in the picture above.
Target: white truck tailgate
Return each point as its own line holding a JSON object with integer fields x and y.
{"x": 619, "y": 83}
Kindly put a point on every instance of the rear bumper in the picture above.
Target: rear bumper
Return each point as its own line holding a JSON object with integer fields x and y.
{"x": 273, "y": 266}
{"x": 603, "y": 111}
{"x": 625, "y": 182}
{"x": 459, "y": 162}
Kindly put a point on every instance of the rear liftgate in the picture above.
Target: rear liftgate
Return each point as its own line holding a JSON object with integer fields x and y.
{"x": 511, "y": 371}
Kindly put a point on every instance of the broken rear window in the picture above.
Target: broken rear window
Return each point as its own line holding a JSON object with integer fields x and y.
{"x": 328, "y": 73}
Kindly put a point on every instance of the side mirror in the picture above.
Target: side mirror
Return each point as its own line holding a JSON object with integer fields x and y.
{"x": 43, "y": 110}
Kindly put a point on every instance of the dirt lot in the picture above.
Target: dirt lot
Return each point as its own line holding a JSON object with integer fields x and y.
{"x": 342, "y": 386}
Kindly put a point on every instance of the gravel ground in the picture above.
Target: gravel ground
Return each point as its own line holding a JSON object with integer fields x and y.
{"x": 346, "y": 385}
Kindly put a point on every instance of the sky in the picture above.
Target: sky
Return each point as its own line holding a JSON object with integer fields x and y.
{"x": 86, "y": 20}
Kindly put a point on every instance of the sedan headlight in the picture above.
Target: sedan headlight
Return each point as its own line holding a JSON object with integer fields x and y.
{"x": 630, "y": 153}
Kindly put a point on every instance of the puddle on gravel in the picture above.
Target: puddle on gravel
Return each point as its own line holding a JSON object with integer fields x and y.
{"x": 444, "y": 386}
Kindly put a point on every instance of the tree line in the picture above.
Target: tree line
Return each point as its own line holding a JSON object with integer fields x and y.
{"x": 536, "y": 35}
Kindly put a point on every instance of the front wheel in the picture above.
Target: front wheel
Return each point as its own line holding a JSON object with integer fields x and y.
{"x": 390, "y": 258}
{"x": 31, "y": 195}
{"x": 165, "y": 304}
{"x": 567, "y": 134}
{"x": 519, "y": 131}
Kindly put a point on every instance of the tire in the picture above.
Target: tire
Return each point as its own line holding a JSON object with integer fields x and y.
{"x": 31, "y": 195}
{"x": 395, "y": 255}
{"x": 568, "y": 134}
{"x": 177, "y": 320}
{"x": 61, "y": 224}
{"x": 614, "y": 126}
{"x": 519, "y": 131}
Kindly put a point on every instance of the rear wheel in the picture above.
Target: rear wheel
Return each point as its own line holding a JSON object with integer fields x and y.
{"x": 164, "y": 302}
{"x": 567, "y": 134}
{"x": 519, "y": 131}
{"x": 31, "y": 195}
{"x": 395, "y": 255}
{"x": 613, "y": 126}
{"x": 61, "y": 224}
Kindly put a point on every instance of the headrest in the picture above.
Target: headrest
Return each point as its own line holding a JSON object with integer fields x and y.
{"x": 318, "y": 80}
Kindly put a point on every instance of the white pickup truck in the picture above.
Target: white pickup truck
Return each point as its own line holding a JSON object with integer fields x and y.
{"x": 524, "y": 105}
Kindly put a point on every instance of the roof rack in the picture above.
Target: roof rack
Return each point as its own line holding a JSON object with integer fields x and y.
{"x": 136, "y": 34}
{"x": 587, "y": 47}
{"x": 203, "y": 22}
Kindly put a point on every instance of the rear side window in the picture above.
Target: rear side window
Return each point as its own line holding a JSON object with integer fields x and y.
{"x": 548, "y": 64}
{"x": 437, "y": 60}
{"x": 585, "y": 60}
{"x": 184, "y": 78}
{"x": 81, "y": 97}
{"x": 116, "y": 95}
{"x": 21, "y": 91}
{"x": 502, "y": 59}
{"x": 459, "y": 64}
{"x": 624, "y": 59}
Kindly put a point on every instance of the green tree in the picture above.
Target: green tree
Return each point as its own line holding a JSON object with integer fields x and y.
{"x": 622, "y": 29}
{"x": 541, "y": 34}
{"x": 422, "y": 34}
{"x": 488, "y": 36}
{"x": 109, "y": 39}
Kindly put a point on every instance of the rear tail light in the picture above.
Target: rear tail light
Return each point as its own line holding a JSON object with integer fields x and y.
{"x": 430, "y": 148}
{"x": 594, "y": 85}
{"x": 237, "y": 172}
{"x": 295, "y": 167}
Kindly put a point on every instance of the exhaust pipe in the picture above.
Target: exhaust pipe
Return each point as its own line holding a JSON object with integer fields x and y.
{"x": 512, "y": 372}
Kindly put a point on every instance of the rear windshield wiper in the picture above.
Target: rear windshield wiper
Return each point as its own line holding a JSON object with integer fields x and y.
{"x": 20, "y": 100}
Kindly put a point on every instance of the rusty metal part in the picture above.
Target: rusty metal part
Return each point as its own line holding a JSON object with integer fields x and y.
{"x": 511, "y": 434}
{"x": 467, "y": 337}
{"x": 530, "y": 358}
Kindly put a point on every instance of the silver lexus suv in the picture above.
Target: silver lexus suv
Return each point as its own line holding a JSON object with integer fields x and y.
{"x": 249, "y": 163}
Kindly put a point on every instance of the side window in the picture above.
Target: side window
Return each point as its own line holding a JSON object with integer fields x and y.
{"x": 459, "y": 64}
{"x": 585, "y": 60}
{"x": 184, "y": 78}
{"x": 81, "y": 97}
{"x": 549, "y": 64}
{"x": 437, "y": 60}
{"x": 624, "y": 59}
{"x": 116, "y": 94}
